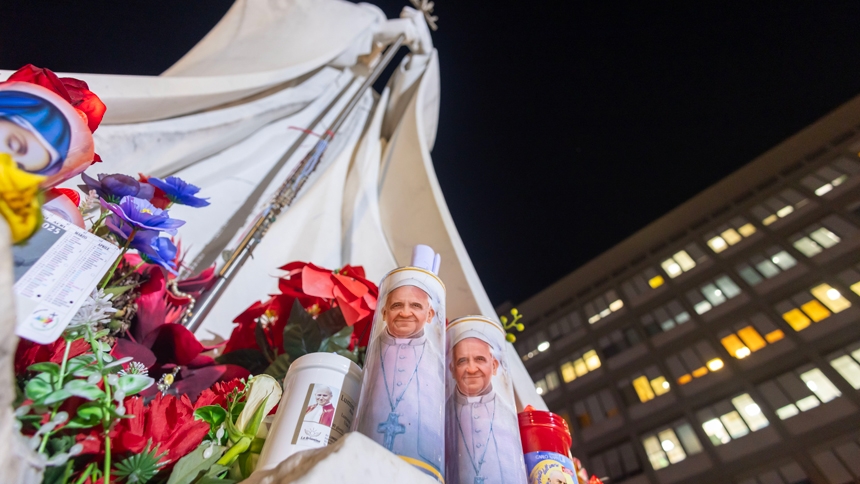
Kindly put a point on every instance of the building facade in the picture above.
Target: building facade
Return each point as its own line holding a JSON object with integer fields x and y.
{"x": 722, "y": 342}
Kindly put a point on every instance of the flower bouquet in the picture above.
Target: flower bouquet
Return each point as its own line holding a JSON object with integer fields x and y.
{"x": 128, "y": 394}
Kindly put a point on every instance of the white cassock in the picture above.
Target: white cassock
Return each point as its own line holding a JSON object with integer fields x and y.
{"x": 488, "y": 443}
{"x": 406, "y": 396}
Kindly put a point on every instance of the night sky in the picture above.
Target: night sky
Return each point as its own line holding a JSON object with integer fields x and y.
{"x": 565, "y": 127}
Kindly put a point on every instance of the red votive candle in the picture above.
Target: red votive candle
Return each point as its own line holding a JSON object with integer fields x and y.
{"x": 546, "y": 446}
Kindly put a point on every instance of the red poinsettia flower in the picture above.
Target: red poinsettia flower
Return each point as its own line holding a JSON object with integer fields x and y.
{"x": 75, "y": 91}
{"x": 217, "y": 395}
{"x": 159, "y": 199}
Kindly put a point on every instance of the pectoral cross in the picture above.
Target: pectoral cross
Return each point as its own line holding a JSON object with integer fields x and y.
{"x": 391, "y": 428}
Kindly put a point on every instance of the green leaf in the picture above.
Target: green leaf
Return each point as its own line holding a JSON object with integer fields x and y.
{"x": 132, "y": 384}
{"x": 254, "y": 424}
{"x": 79, "y": 362}
{"x": 39, "y": 387}
{"x": 119, "y": 290}
{"x": 52, "y": 369}
{"x": 56, "y": 396}
{"x": 331, "y": 321}
{"x": 302, "y": 335}
{"x": 249, "y": 359}
{"x": 278, "y": 368}
{"x": 140, "y": 467}
{"x": 80, "y": 388}
{"x": 263, "y": 342}
{"x": 88, "y": 415}
{"x": 214, "y": 480}
{"x": 337, "y": 341}
{"x": 190, "y": 467}
{"x": 214, "y": 415}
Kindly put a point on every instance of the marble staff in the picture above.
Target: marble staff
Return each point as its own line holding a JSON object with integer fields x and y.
{"x": 403, "y": 390}
{"x": 482, "y": 438}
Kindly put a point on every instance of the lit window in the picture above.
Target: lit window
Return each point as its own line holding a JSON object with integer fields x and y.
{"x": 671, "y": 445}
{"x": 568, "y": 374}
{"x": 678, "y": 264}
{"x": 643, "y": 389}
{"x": 830, "y": 297}
{"x": 540, "y": 387}
{"x": 825, "y": 238}
{"x": 784, "y": 260}
{"x": 823, "y": 388}
{"x": 644, "y": 386}
{"x": 798, "y": 391}
{"x": 825, "y": 179}
{"x": 718, "y": 244}
{"x": 807, "y": 247}
{"x": 552, "y": 381}
{"x": 655, "y": 282}
{"x": 579, "y": 365}
{"x": 603, "y": 306}
{"x": 715, "y": 294}
{"x": 747, "y": 338}
{"x": 543, "y": 346}
{"x": 716, "y": 432}
{"x": 747, "y": 229}
{"x": 750, "y": 411}
{"x": 778, "y": 207}
{"x": 796, "y": 319}
{"x": 694, "y": 362}
{"x": 734, "y": 424}
{"x": 848, "y": 368}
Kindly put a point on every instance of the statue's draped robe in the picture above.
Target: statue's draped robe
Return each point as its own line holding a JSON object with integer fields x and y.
{"x": 225, "y": 115}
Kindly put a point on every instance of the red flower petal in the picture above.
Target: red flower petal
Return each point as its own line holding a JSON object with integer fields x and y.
{"x": 151, "y": 306}
{"x": 140, "y": 353}
{"x": 41, "y": 77}
{"x": 317, "y": 281}
{"x": 173, "y": 343}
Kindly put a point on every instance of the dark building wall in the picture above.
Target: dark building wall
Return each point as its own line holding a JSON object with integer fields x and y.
{"x": 722, "y": 342}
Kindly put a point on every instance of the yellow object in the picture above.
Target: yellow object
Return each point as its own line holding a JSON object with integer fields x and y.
{"x": 774, "y": 336}
{"x": 734, "y": 346}
{"x": 656, "y": 282}
{"x": 815, "y": 310}
{"x": 643, "y": 389}
{"x": 752, "y": 338}
{"x": 19, "y": 199}
{"x": 715, "y": 364}
{"x": 796, "y": 319}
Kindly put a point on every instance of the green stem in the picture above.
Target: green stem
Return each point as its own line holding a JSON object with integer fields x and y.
{"x": 130, "y": 272}
{"x": 125, "y": 247}
{"x": 98, "y": 223}
{"x": 67, "y": 473}
{"x": 86, "y": 474}
{"x": 60, "y": 385}
{"x": 106, "y": 423}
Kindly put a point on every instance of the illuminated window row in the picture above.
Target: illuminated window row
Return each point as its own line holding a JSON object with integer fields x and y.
{"x": 817, "y": 238}
{"x": 602, "y": 306}
{"x": 815, "y": 305}
{"x": 847, "y": 363}
{"x": 644, "y": 386}
{"x": 580, "y": 364}
{"x": 665, "y": 318}
{"x": 779, "y": 206}
{"x": 825, "y": 179}
{"x": 798, "y": 391}
{"x": 747, "y": 337}
{"x": 713, "y": 294}
{"x": 595, "y": 409}
{"x": 766, "y": 265}
{"x": 729, "y": 234}
{"x": 694, "y": 362}
{"x": 732, "y": 419}
{"x": 683, "y": 261}
{"x": 671, "y": 445}
{"x": 548, "y": 383}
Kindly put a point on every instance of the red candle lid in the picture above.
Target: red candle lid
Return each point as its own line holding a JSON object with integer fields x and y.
{"x": 544, "y": 430}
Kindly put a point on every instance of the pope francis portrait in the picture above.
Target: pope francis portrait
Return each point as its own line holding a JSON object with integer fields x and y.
{"x": 482, "y": 437}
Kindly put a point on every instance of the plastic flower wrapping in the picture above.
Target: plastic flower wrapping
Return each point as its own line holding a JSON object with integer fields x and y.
{"x": 128, "y": 394}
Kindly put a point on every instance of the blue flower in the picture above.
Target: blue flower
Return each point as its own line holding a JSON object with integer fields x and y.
{"x": 151, "y": 248}
{"x": 178, "y": 191}
{"x": 114, "y": 187}
{"x": 142, "y": 215}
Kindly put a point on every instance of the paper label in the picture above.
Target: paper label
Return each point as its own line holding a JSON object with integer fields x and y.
{"x": 55, "y": 271}
{"x": 549, "y": 468}
{"x": 327, "y": 416}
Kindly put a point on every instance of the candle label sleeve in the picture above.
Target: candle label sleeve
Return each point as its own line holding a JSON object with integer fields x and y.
{"x": 327, "y": 416}
{"x": 549, "y": 467}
